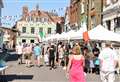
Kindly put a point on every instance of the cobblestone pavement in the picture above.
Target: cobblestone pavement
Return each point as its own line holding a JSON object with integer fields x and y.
{"x": 20, "y": 73}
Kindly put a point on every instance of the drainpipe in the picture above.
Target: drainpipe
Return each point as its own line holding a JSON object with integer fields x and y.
{"x": 101, "y": 12}
{"x": 87, "y": 14}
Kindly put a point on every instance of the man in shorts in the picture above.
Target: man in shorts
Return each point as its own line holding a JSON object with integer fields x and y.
{"x": 108, "y": 61}
{"x": 37, "y": 54}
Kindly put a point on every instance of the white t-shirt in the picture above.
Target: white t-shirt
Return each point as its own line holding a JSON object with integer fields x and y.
{"x": 19, "y": 49}
{"x": 108, "y": 56}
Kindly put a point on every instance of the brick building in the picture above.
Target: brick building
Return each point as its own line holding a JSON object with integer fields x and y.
{"x": 85, "y": 13}
{"x": 94, "y": 13}
{"x": 74, "y": 14}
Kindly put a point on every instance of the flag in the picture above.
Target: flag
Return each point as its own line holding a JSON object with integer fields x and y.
{"x": 42, "y": 34}
{"x": 86, "y": 36}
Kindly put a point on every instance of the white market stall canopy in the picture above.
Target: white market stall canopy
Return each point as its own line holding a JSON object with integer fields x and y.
{"x": 78, "y": 34}
{"x": 71, "y": 35}
{"x": 101, "y": 33}
{"x": 97, "y": 33}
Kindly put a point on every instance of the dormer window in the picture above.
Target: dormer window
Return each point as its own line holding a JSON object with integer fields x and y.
{"x": 32, "y": 19}
{"x": 40, "y": 19}
{"x": 28, "y": 19}
{"x": 37, "y": 19}
{"x": 45, "y": 19}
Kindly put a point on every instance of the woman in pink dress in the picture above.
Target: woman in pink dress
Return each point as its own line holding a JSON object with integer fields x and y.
{"x": 76, "y": 66}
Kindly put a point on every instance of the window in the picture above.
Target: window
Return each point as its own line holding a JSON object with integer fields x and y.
{"x": 31, "y": 41}
{"x": 93, "y": 20}
{"x": 32, "y": 19}
{"x": 23, "y": 40}
{"x": 49, "y": 30}
{"x": 40, "y": 29}
{"x": 40, "y": 19}
{"x": 108, "y": 24}
{"x": 24, "y": 30}
{"x": 32, "y": 30}
{"x": 116, "y": 22}
{"x": 82, "y": 8}
{"x": 45, "y": 19}
{"x": 37, "y": 19}
{"x": 28, "y": 19}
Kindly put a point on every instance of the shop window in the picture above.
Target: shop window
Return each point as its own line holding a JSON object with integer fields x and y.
{"x": 23, "y": 40}
{"x": 31, "y": 41}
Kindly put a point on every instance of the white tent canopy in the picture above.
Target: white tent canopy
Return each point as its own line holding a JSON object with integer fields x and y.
{"x": 56, "y": 36}
{"x": 78, "y": 34}
{"x": 63, "y": 36}
{"x": 97, "y": 33}
{"x": 67, "y": 35}
{"x": 101, "y": 33}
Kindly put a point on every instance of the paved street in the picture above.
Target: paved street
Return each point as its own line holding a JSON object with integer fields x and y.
{"x": 20, "y": 73}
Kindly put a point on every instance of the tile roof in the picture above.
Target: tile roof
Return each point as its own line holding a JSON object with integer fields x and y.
{"x": 52, "y": 17}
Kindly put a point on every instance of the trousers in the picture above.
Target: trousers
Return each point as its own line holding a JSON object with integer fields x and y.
{"x": 107, "y": 76}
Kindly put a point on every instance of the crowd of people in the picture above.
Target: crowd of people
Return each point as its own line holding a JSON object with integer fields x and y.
{"x": 76, "y": 59}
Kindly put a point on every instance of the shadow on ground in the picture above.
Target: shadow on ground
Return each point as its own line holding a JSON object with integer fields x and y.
{"x": 12, "y": 57}
{"x": 9, "y": 78}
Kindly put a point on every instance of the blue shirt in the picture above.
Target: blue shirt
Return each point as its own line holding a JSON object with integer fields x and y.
{"x": 97, "y": 62}
{"x": 37, "y": 50}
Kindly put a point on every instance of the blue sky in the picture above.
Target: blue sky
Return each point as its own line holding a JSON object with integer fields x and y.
{"x": 14, "y": 8}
